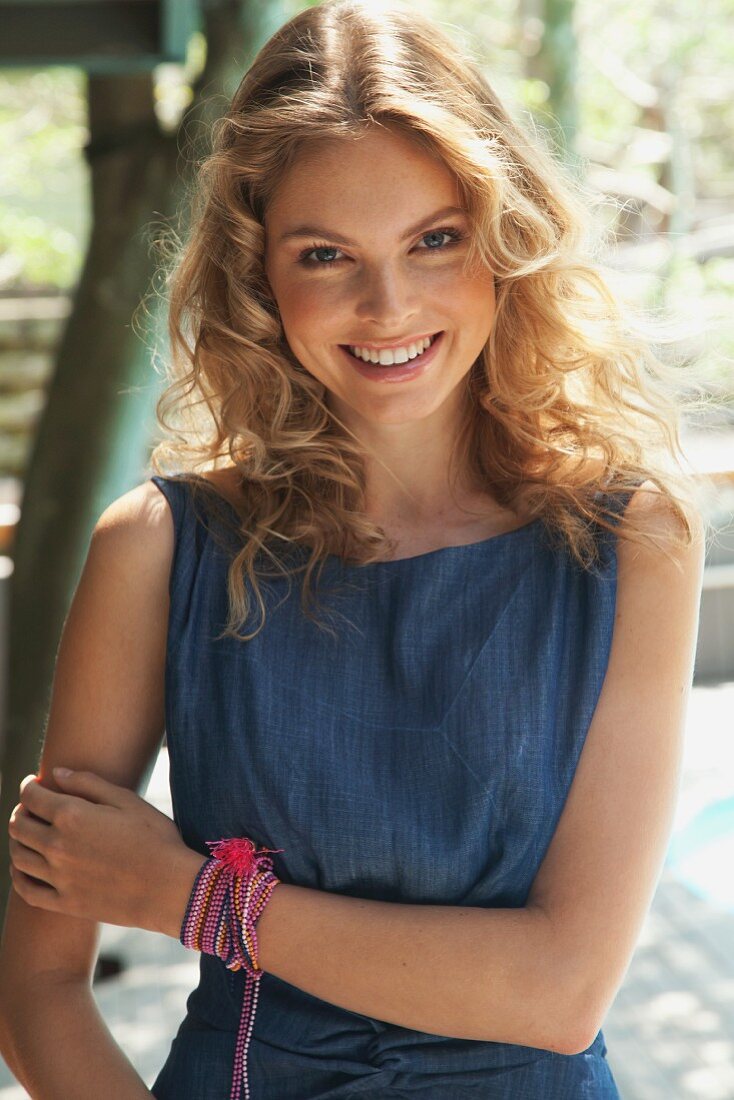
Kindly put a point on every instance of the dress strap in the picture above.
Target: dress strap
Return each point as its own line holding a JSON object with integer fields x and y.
{"x": 189, "y": 542}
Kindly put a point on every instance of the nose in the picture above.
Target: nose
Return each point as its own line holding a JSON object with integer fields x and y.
{"x": 388, "y": 299}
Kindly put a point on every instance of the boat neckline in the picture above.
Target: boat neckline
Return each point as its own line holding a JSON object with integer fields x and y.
{"x": 447, "y": 549}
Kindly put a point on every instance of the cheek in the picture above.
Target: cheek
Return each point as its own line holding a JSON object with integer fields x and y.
{"x": 479, "y": 298}
{"x": 293, "y": 295}
{"x": 468, "y": 297}
{"x": 305, "y": 304}
{"x": 298, "y": 312}
{"x": 305, "y": 326}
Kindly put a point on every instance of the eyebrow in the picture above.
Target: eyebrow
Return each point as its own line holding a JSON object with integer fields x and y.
{"x": 318, "y": 231}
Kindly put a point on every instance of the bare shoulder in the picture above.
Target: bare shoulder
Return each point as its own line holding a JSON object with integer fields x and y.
{"x": 658, "y": 584}
{"x": 141, "y": 519}
{"x": 652, "y": 512}
{"x": 142, "y": 507}
{"x": 137, "y": 527}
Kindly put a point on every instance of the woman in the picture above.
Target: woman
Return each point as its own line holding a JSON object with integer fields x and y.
{"x": 399, "y": 374}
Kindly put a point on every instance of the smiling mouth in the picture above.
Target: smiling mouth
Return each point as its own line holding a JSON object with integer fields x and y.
{"x": 377, "y": 351}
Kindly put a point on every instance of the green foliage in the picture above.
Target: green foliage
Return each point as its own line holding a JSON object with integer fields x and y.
{"x": 35, "y": 252}
{"x": 43, "y": 178}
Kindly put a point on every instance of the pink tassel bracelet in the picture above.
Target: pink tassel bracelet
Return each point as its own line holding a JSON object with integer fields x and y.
{"x": 228, "y": 897}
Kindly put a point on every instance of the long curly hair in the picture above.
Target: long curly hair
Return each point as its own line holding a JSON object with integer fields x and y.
{"x": 567, "y": 397}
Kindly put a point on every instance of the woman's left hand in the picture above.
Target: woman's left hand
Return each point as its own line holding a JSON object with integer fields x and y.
{"x": 101, "y": 852}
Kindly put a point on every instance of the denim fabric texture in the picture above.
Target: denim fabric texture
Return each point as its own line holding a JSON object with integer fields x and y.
{"x": 424, "y": 755}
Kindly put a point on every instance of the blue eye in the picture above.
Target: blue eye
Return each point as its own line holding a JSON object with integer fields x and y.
{"x": 452, "y": 233}
{"x": 305, "y": 257}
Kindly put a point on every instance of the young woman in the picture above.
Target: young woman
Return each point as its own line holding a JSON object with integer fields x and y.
{"x": 399, "y": 375}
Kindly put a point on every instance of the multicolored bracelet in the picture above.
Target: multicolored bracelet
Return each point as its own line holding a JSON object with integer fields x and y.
{"x": 228, "y": 898}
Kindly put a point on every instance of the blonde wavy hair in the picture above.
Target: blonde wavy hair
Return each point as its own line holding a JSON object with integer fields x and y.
{"x": 566, "y": 398}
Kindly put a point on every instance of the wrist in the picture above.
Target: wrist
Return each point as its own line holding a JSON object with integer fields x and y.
{"x": 278, "y": 927}
{"x": 175, "y": 895}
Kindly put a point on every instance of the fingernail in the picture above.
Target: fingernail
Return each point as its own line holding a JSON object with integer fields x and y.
{"x": 63, "y": 772}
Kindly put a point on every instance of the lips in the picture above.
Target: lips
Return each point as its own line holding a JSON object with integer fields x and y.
{"x": 398, "y": 372}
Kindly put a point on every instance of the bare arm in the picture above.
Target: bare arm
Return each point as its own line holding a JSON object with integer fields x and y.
{"x": 58, "y": 1046}
{"x": 599, "y": 875}
{"x": 106, "y": 715}
{"x": 465, "y": 972}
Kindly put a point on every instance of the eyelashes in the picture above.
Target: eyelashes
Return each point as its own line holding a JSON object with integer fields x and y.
{"x": 304, "y": 257}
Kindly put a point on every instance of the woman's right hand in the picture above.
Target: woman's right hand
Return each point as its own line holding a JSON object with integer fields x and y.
{"x": 101, "y": 852}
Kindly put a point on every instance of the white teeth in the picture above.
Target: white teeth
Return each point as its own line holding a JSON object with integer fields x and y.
{"x": 386, "y": 357}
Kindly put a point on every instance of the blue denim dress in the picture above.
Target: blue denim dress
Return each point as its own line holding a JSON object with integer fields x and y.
{"x": 423, "y": 755}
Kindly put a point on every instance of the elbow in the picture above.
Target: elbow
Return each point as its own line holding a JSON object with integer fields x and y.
{"x": 562, "y": 988}
{"x": 569, "y": 1036}
{"x": 559, "y": 1027}
{"x": 577, "y": 1041}
{"x": 573, "y": 1032}
{"x": 582, "y": 1026}
{"x": 570, "y": 1026}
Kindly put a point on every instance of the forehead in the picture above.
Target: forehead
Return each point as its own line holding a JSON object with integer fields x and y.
{"x": 380, "y": 174}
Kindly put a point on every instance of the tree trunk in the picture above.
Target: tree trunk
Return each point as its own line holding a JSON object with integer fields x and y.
{"x": 555, "y": 63}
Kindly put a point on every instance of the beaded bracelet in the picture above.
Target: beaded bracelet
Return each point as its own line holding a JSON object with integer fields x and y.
{"x": 228, "y": 897}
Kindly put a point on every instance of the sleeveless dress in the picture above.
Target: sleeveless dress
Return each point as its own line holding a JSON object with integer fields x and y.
{"x": 423, "y": 755}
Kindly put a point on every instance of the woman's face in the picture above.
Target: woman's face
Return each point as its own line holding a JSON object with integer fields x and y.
{"x": 361, "y": 250}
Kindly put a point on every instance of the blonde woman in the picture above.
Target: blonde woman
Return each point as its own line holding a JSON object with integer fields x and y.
{"x": 413, "y": 589}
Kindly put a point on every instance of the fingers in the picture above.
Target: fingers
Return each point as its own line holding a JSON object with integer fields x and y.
{"x": 29, "y": 861}
{"x": 39, "y": 799}
{"x": 29, "y": 866}
{"x": 27, "y": 830}
{"x": 77, "y": 786}
{"x": 33, "y": 892}
{"x": 93, "y": 788}
{"x": 31, "y": 873}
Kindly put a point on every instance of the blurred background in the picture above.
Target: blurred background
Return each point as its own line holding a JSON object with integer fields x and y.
{"x": 104, "y": 106}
